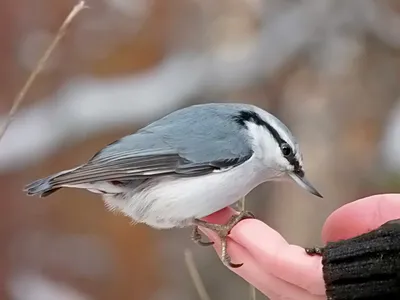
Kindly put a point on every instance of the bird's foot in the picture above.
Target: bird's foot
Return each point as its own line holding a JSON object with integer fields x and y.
{"x": 196, "y": 237}
{"x": 315, "y": 251}
{"x": 223, "y": 231}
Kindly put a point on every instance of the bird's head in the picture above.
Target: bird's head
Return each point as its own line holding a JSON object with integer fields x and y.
{"x": 275, "y": 147}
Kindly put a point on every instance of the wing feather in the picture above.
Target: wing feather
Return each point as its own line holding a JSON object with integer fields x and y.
{"x": 124, "y": 168}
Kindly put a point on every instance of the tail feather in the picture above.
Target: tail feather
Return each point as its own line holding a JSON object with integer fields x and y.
{"x": 41, "y": 187}
{"x": 46, "y": 186}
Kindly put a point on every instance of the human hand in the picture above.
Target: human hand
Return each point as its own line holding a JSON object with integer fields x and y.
{"x": 284, "y": 271}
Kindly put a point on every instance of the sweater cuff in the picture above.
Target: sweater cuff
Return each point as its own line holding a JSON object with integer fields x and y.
{"x": 364, "y": 267}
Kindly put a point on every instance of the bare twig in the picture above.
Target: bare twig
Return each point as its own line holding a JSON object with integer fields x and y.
{"x": 41, "y": 63}
{"x": 252, "y": 291}
{"x": 242, "y": 204}
{"x": 194, "y": 273}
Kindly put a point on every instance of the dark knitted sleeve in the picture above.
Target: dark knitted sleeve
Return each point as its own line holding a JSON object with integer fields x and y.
{"x": 364, "y": 267}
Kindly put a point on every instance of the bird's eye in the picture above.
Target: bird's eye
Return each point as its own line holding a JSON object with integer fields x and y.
{"x": 286, "y": 150}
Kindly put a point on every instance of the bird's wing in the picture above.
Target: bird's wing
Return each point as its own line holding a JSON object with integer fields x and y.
{"x": 126, "y": 166}
{"x": 187, "y": 143}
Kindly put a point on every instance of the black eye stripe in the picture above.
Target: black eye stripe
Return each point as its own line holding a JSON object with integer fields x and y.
{"x": 250, "y": 116}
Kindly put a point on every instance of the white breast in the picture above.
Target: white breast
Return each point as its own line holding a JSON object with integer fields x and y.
{"x": 174, "y": 202}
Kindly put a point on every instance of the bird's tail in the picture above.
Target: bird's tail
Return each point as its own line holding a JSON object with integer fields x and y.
{"x": 46, "y": 186}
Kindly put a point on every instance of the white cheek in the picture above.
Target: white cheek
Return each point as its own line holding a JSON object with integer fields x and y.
{"x": 266, "y": 148}
{"x": 282, "y": 163}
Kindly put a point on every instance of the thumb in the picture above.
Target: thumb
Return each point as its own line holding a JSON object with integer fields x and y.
{"x": 361, "y": 216}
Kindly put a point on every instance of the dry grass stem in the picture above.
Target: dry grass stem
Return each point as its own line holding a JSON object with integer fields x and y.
{"x": 252, "y": 291}
{"x": 40, "y": 65}
{"x": 242, "y": 204}
{"x": 194, "y": 273}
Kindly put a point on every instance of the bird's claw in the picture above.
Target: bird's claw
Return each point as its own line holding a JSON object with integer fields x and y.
{"x": 315, "y": 251}
{"x": 223, "y": 230}
{"x": 196, "y": 237}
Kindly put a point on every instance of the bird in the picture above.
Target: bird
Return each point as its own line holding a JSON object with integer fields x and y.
{"x": 187, "y": 165}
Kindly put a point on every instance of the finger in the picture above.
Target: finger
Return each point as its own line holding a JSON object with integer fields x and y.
{"x": 287, "y": 262}
{"x": 263, "y": 280}
{"x": 361, "y": 216}
{"x": 249, "y": 271}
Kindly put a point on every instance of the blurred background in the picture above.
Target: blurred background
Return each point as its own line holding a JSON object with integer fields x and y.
{"x": 329, "y": 69}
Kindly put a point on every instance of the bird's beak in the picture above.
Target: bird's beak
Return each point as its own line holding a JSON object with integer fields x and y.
{"x": 302, "y": 181}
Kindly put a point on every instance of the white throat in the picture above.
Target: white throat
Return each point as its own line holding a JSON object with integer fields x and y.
{"x": 266, "y": 151}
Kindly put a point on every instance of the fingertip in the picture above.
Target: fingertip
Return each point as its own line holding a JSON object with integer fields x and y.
{"x": 361, "y": 216}
{"x": 264, "y": 276}
{"x": 271, "y": 252}
{"x": 287, "y": 262}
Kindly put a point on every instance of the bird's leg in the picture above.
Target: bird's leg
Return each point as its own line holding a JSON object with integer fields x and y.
{"x": 196, "y": 237}
{"x": 223, "y": 231}
{"x": 315, "y": 251}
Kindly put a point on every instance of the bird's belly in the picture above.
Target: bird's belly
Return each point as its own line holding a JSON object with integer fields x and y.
{"x": 174, "y": 202}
